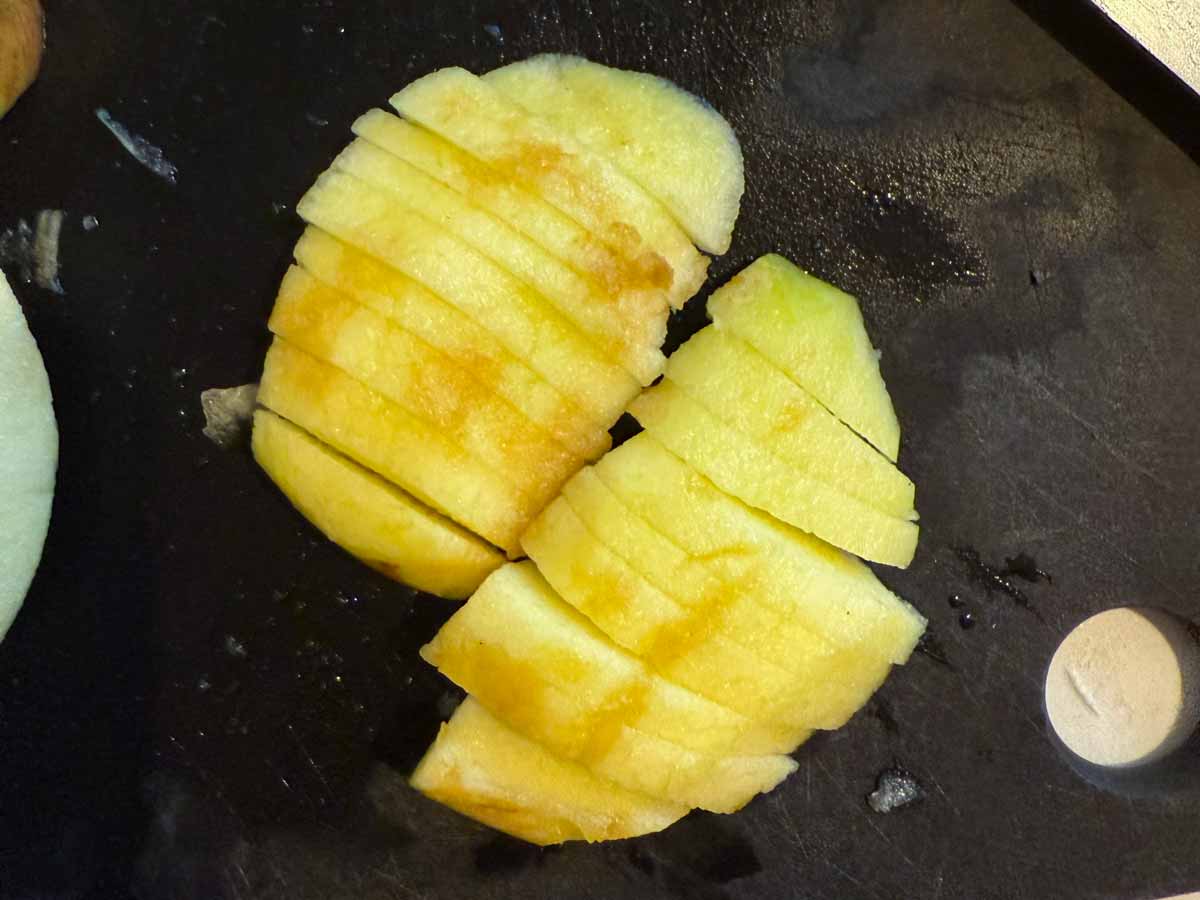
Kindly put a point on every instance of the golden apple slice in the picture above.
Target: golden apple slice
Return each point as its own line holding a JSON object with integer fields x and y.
{"x": 391, "y": 442}
{"x": 740, "y": 467}
{"x": 829, "y": 684}
{"x": 815, "y": 334}
{"x": 22, "y": 38}
{"x": 518, "y": 644}
{"x": 530, "y": 151}
{"x": 824, "y": 589}
{"x": 363, "y": 216}
{"x": 672, "y": 143}
{"x": 483, "y": 769}
{"x": 631, "y": 341}
{"x": 440, "y": 325}
{"x": 28, "y": 456}
{"x": 368, "y": 517}
{"x": 688, "y": 648}
{"x": 739, "y": 386}
{"x": 328, "y": 325}
{"x": 635, "y": 288}
{"x": 531, "y": 661}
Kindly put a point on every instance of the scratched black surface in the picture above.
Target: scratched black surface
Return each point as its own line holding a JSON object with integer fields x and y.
{"x": 204, "y": 700}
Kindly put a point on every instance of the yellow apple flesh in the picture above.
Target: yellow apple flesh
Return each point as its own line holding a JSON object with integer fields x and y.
{"x": 483, "y": 769}
{"x": 673, "y": 144}
{"x": 530, "y": 151}
{"x": 22, "y": 36}
{"x": 368, "y": 517}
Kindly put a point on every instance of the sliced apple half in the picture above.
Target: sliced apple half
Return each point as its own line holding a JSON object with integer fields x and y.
{"x": 28, "y": 456}
{"x": 739, "y": 386}
{"x": 474, "y": 349}
{"x": 828, "y": 684}
{"x": 672, "y": 143}
{"x": 530, "y": 151}
{"x": 369, "y": 517}
{"x": 523, "y": 647}
{"x": 635, "y": 288}
{"x": 814, "y": 333}
{"x": 383, "y": 437}
{"x": 743, "y": 468}
{"x": 683, "y": 645}
{"x": 632, "y": 341}
{"x": 352, "y": 210}
{"x": 330, "y": 326}
{"x": 483, "y": 769}
{"x": 826, "y": 590}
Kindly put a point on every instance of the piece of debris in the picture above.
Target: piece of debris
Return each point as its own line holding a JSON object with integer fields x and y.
{"x": 34, "y": 251}
{"x": 494, "y": 32}
{"x": 234, "y": 647}
{"x": 895, "y": 787}
{"x": 90, "y": 223}
{"x": 139, "y": 148}
{"x": 227, "y": 412}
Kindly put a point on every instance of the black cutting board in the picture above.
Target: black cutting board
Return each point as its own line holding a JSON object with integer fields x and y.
{"x": 204, "y": 699}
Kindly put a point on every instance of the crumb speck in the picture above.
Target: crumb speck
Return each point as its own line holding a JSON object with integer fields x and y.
{"x": 895, "y": 787}
{"x": 494, "y": 33}
{"x": 139, "y": 148}
{"x": 234, "y": 647}
{"x": 227, "y": 412}
{"x": 90, "y": 223}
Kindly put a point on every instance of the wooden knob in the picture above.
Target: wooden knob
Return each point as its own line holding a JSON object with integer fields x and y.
{"x": 1123, "y": 688}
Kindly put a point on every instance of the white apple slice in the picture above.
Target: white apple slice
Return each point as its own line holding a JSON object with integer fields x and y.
{"x": 828, "y": 591}
{"x": 669, "y": 141}
{"x": 28, "y": 456}
{"x": 744, "y": 469}
{"x": 473, "y": 115}
{"x": 437, "y": 323}
{"x": 368, "y": 517}
{"x": 631, "y": 338}
{"x": 814, "y": 333}
{"x": 739, "y": 386}
{"x": 480, "y": 767}
{"x": 352, "y": 210}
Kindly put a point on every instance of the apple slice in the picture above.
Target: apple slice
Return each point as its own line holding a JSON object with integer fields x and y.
{"x": 815, "y": 334}
{"x": 363, "y": 216}
{"x": 829, "y": 683}
{"x": 826, "y": 590}
{"x": 519, "y": 646}
{"x": 523, "y": 654}
{"x": 688, "y": 648}
{"x": 632, "y": 340}
{"x": 672, "y": 143}
{"x": 391, "y": 442}
{"x": 634, "y": 286}
{"x": 740, "y": 467}
{"x": 368, "y": 517}
{"x": 738, "y": 385}
{"x": 530, "y": 151}
{"x": 440, "y": 325}
{"x": 28, "y": 456}
{"x": 22, "y": 39}
{"x": 483, "y": 769}
{"x": 328, "y": 325}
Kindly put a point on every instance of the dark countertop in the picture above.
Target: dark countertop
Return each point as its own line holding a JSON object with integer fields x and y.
{"x": 202, "y": 699}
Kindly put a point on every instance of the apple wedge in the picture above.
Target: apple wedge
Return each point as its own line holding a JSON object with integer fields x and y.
{"x": 828, "y": 684}
{"x": 363, "y": 216}
{"x": 378, "y": 434}
{"x": 634, "y": 287}
{"x": 815, "y": 334}
{"x": 328, "y": 325}
{"x": 739, "y": 386}
{"x": 368, "y": 517}
{"x": 683, "y": 645}
{"x": 520, "y": 646}
{"x": 744, "y": 469}
{"x": 523, "y": 654}
{"x": 28, "y": 456}
{"x": 826, "y": 590}
{"x": 629, "y": 337}
{"x": 672, "y": 143}
{"x": 530, "y": 151}
{"x": 22, "y": 40}
{"x": 483, "y": 769}
{"x": 437, "y": 323}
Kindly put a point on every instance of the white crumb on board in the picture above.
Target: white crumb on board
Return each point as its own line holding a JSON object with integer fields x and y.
{"x": 227, "y": 412}
{"x": 139, "y": 148}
